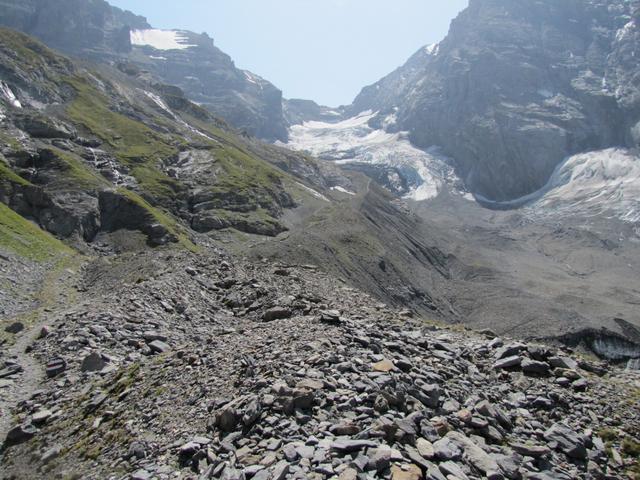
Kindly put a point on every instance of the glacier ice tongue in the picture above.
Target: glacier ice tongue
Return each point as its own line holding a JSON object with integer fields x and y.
{"x": 353, "y": 141}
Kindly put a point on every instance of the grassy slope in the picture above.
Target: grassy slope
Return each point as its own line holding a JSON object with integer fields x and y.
{"x": 25, "y": 239}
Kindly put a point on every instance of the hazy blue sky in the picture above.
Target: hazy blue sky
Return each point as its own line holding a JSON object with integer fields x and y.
{"x": 323, "y": 50}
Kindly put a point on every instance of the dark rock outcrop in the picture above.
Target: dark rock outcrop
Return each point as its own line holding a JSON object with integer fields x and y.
{"x": 97, "y": 31}
{"x": 517, "y": 86}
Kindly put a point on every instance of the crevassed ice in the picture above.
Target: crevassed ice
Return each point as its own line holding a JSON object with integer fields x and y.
{"x": 160, "y": 39}
{"x": 354, "y": 141}
{"x": 598, "y": 182}
{"x": 601, "y": 182}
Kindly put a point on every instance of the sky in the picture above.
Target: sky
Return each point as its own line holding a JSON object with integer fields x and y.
{"x": 322, "y": 50}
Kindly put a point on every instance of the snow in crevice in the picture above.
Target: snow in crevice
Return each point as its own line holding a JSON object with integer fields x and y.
{"x": 160, "y": 39}
{"x": 313, "y": 192}
{"x": 433, "y": 49}
{"x": 7, "y": 94}
{"x": 342, "y": 190}
{"x": 598, "y": 183}
{"x": 251, "y": 78}
{"x": 353, "y": 141}
{"x": 160, "y": 103}
{"x": 622, "y": 33}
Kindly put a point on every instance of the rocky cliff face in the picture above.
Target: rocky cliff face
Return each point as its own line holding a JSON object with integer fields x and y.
{"x": 517, "y": 86}
{"x": 86, "y": 153}
{"x": 95, "y": 30}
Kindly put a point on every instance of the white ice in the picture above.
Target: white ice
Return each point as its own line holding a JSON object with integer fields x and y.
{"x": 354, "y": 141}
{"x": 160, "y": 39}
{"x": 342, "y": 190}
{"x": 601, "y": 182}
{"x": 9, "y": 96}
{"x": 433, "y": 49}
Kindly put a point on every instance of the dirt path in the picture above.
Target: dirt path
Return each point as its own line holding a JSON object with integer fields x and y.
{"x": 52, "y": 299}
{"x": 28, "y": 379}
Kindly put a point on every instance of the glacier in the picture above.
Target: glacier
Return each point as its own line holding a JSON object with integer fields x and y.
{"x": 596, "y": 183}
{"x": 354, "y": 141}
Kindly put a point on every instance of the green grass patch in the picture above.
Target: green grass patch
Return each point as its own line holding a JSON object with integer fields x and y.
{"x": 160, "y": 217}
{"x": 25, "y": 239}
{"x": 134, "y": 144}
{"x": 631, "y": 448}
{"x": 8, "y": 175}
{"x": 74, "y": 172}
{"x": 30, "y": 53}
{"x": 608, "y": 435}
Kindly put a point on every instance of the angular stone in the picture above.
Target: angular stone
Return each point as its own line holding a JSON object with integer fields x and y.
{"x": 563, "y": 362}
{"x": 330, "y": 317}
{"x": 93, "y": 363}
{"x": 383, "y": 366}
{"x": 349, "y": 446}
{"x": 41, "y": 416}
{"x": 530, "y": 450}
{"x": 508, "y": 362}
{"x": 473, "y": 454}
{"x": 344, "y": 429}
{"x": 567, "y": 441}
{"x": 55, "y": 367}
{"x": 425, "y": 448}
{"x": 158, "y": 346}
{"x": 511, "y": 350}
{"x": 406, "y": 472}
{"x": 15, "y": 327}
{"x": 227, "y": 419}
{"x": 452, "y": 468}
{"x": 280, "y": 471}
{"x": 445, "y": 449}
{"x": 20, "y": 434}
{"x": 276, "y": 313}
{"x": 534, "y": 367}
{"x": 381, "y": 458}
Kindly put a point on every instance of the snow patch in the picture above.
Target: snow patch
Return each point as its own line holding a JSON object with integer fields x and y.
{"x": 432, "y": 49}
{"x": 160, "y": 103}
{"x": 160, "y": 39}
{"x": 390, "y": 120}
{"x": 313, "y": 192}
{"x": 354, "y": 141}
{"x": 545, "y": 93}
{"x": 622, "y": 33}
{"x": 343, "y": 190}
{"x": 252, "y": 79}
{"x": 9, "y": 96}
{"x": 157, "y": 58}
